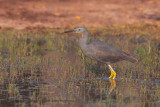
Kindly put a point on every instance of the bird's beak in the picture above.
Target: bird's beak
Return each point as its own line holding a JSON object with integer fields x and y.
{"x": 68, "y": 31}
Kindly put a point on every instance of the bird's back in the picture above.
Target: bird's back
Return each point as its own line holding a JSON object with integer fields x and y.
{"x": 107, "y": 53}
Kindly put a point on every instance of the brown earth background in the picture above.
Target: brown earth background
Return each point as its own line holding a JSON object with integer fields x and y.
{"x": 21, "y": 14}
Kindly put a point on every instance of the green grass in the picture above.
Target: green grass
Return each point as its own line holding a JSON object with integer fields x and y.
{"x": 52, "y": 61}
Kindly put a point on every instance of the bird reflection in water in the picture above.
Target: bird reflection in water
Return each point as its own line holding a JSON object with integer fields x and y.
{"x": 101, "y": 89}
{"x": 112, "y": 86}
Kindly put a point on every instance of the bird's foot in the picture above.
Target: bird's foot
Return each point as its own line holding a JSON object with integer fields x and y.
{"x": 113, "y": 74}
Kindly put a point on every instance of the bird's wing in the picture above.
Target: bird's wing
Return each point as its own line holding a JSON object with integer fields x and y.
{"x": 106, "y": 53}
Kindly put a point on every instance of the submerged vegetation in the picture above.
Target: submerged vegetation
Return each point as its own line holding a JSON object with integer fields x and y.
{"x": 46, "y": 67}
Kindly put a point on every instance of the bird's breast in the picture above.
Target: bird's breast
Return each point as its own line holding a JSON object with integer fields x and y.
{"x": 87, "y": 51}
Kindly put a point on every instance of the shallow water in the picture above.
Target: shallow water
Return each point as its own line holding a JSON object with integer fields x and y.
{"x": 50, "y": 71}
{"x": 95, "y": 92}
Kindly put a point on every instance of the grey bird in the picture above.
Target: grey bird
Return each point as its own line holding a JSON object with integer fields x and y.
{"x": 101, "y": 51}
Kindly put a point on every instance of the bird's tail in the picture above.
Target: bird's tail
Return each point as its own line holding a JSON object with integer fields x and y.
{"x": 132, "y": 59}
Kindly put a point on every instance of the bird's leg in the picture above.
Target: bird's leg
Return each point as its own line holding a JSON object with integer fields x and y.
{"x": 113, "y": 73}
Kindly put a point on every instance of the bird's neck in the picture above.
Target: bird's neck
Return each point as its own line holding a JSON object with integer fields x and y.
{"x": 85, "y": 37}
{"x": 84, "y": 41}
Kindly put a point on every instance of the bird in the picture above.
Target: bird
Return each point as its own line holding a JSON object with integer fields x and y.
{"x": 101, "y": 51}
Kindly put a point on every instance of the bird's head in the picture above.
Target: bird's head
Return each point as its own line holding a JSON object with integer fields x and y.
{"x": 77, "y": 30}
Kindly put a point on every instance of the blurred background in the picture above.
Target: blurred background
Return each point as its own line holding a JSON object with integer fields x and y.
{"x": 40, "y": 66}
{"x": 21, "y": 14}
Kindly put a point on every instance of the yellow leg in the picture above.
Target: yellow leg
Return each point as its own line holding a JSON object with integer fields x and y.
{"x": 113, "y": 73}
